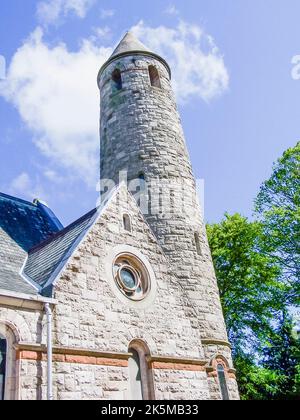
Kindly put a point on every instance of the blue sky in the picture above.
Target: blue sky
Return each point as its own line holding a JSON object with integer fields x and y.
{"x": 232, "y": 67}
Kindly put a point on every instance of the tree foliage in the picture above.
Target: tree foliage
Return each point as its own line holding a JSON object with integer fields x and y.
{"x": 278, "y": 207}
{"x": 258, "y": 271}
{"x": 282, "y": 355}
{"x": 247, "y": 280}
{"x": 276, "y": 376}
{"x": 256, "y": 382}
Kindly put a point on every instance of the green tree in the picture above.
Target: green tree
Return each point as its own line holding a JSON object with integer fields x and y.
{"x": 278, "y": 208}
{"x": 282, "y": 355}
{"x": 256, "y": 382}
{"x": 247, "y": 280}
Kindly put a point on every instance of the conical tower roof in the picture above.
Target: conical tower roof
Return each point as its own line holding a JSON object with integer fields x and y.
{"x": 130, "y": 45}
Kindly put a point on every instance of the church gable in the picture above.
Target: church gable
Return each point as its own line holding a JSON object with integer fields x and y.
{"x": 92, "y": 309}
{"x": 47, "y": 259}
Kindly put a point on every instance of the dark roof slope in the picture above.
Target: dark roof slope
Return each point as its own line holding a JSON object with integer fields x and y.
{"x": 25, "y": 223}
{"x": 22, "y": 226}
{"x": 12, "y": 258}
{"x": 44, "y": 259}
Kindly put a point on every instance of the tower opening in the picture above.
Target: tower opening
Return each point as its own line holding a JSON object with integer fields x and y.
{"x": 141, "y": 177}
{"x": 154, "y": 76}
{"x": 198, "y": 244}
{"x": 127, "y": 222}
{"x": 117, "y": 80}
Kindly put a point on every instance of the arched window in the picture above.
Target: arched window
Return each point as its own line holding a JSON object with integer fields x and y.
{"x": 117, "y": 80}
{"x": 222, "y": 382}
{"x": 9, "y": 367}
{"x": 134, "y": 364}
{"x": 140, "y": 375}
{"x": 127, "y": 222}
{"x": 3, "y": 351}
{"x": 198, "y": 245}
{"x": 154, "y": 76}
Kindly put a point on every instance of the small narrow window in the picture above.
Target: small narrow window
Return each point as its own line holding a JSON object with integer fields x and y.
{"x": 222, "y": 382}
{"x": 140, "y": 374}
{"x": 154, "y": 77}
{"x": 141, "y": 178}
{"x": 136, "y": 385}
{"x": 198, "y": 244}
{"x": 117, "y": 80}
{"x": 127, "y": 222}
{"x": 3, "y": 350}
{"x": 104, "y": 138}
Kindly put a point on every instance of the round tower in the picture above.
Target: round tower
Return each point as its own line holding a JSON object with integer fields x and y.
{"x": 141, "y": 135}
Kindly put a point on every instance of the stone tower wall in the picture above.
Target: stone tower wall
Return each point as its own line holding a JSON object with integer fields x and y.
{"x": 141, "y": 132}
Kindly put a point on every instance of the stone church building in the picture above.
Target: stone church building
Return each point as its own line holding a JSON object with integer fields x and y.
{"x": 123, "y": 303}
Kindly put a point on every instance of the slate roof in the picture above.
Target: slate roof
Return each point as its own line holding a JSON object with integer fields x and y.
{"x": 26, "y": 223}
{"x": 14, "y": 282}
{"x": 34, "y": 270}
{"x": 22, "y": 226}
{"x": 45, "y": 260}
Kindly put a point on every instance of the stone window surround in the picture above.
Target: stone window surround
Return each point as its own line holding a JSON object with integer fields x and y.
{"x": 135, "y": 253}
{"x": 146, "y": 371}
{"x": 11, "y": 386}
{"x": 228, "y": 372}
{"x": 137, "y": 271}
{"x": 154, "y": 76}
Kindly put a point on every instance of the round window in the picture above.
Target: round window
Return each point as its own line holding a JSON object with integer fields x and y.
{"x": 131, "y": 277}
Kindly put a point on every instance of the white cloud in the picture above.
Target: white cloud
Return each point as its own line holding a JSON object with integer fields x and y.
{"x": 107, "y": 13}
{"x": 52, "y": 11}
{"x": 101, "y": 33}
{"x": 54, "y": 176}
{"x": 197, "y": 64}
{"x": 24, "y": 185}
{"x": 56, "y": 94}
{"x": 172, "y": 10}
{"x": 21, "y": 182}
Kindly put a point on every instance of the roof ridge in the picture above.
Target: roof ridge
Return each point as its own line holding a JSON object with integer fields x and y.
{"x": 82, "y": 218}
{"x": 62, "y": 231}
{"x": 21, "y": 200}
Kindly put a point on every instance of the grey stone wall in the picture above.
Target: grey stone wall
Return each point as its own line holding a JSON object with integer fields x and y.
{"x": 91, "y": 315}
{"x": 141, "y": 132}
{"x": 181, "y": 385}
{"x": 74, "y": 381}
